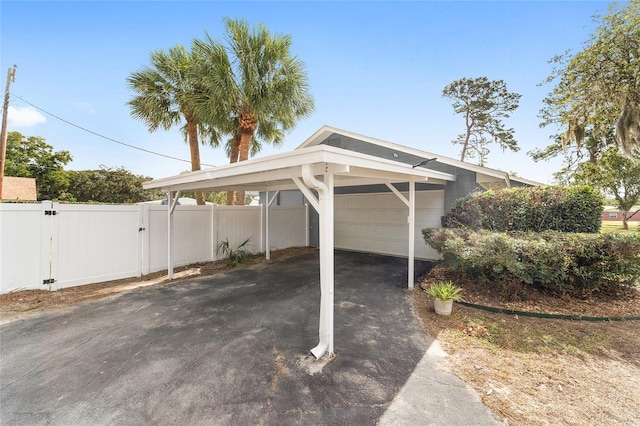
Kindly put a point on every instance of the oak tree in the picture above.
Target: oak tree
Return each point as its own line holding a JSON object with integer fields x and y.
{"x": 32, "y": 156}
{"x": 599, "y": 87}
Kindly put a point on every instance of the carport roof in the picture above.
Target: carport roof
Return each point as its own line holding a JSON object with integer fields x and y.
{"x": 276, "y": 172}
{"x": 487, "y": 177}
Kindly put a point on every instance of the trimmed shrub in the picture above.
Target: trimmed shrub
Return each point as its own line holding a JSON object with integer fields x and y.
{"x": 543, "y": 208}
{"x": 562, "y": 263}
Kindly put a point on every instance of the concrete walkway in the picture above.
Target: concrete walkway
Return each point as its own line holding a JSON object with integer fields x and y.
{"x": 234, "y": 350}
{"x": 451, "y": 401}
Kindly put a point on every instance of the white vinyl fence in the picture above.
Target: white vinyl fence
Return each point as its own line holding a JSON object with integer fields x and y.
{"x": 52, "y": 246}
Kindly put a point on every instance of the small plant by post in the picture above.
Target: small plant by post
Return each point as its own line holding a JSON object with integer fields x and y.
{"x": 444, "y": 293}
{"x": 235, "y": 256}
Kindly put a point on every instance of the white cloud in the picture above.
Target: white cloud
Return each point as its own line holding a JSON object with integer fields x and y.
{"x": 24, "y": 117}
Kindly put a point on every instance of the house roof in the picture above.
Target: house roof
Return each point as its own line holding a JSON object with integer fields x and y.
{"x": 350, "y": 167}
{"x": 276, "y": 172}
{"x": 486, "y": 174}
{"x": 19, "y": 188}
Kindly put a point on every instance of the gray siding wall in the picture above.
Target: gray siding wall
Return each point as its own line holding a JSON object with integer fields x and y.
{"x": 465, "y": 184}
{"x": 516, "y": 184}
{"x": 375, "y": 150}
{"x": 465, "y": 179}
{"x": 376, "y": 189}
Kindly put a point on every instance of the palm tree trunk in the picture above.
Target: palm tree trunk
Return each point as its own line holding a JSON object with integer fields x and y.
{"x": 235, "y": 151}
{"x": 248, "y": 124}
{"x": 245, "y": 143}
{"x": 192, "y": 130}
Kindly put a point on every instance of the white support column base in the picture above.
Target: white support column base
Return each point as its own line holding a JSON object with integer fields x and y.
{"x": 171, "y": 206}
{"x": 412, "y": 232}
{"x": 325, "y": 212}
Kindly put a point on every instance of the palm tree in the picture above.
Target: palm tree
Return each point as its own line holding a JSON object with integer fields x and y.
{"x": 166, "y": 94}
{"x": 257, "y": 85}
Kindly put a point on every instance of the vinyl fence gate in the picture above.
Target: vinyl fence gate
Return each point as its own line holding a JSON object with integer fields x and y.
{"x": 53, "y": 246}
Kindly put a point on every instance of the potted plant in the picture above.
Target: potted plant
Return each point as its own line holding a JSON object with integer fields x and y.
{"x": 444, "y": 293}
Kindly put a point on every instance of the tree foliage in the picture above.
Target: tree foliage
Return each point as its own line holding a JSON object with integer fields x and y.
{"x": 589, "y": 150}
{"x": 254, "y": 83}
{"x": 599, "y": 87}
{"x": 31, "y": 156}
{"x": 484, "y": 104}
{"x": 109, "y": 185}
{"x": 616, "y": 175}
{"x": 218, "y": 197}
{"x": 166, "y": 95}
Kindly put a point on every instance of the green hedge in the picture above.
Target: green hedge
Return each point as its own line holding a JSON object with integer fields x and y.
{"x": 544, "y": 208}
{"x": 568, "y": 264}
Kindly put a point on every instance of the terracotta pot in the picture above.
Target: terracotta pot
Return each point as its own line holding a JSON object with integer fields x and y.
{"x": 443, "y": 307}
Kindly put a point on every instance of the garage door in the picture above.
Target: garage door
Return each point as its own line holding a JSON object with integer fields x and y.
{"x": 378, "y": 223}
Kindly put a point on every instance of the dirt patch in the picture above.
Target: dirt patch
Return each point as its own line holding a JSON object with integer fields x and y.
{"x": 542, "y": 371}
{"x": 17, "y": 304}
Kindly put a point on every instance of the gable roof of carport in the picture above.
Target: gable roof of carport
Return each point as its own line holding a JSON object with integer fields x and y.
{"x": 275, "y": 172}
{"x": 487, "y": 177}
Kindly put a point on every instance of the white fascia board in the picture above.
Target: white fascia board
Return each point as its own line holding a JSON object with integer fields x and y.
{"x": 256, "y": 165}
{"x": 260, "y": 179}
{"x": 384, "y": 176}
{"x": 252, "y": 187}
{"x": 360, "y": 161}
{"x": 526, "y": 181}
{"x": 320, "y": 135}
{"x": 283, "y": 166}
{"x": 492, "y": 182}
{"x": 341, "y": 181}
{"x": 326, "y": 131}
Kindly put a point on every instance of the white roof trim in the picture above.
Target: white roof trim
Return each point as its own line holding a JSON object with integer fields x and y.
{"x": 277, "y": 171}
{"x": 325, "y": 131}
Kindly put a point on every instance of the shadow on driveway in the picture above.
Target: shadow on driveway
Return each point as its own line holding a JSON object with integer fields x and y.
{"x": 230, "y": 349}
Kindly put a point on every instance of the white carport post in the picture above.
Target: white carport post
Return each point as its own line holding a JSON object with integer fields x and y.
{"x": 412, "y": 230}
{"x": 171, "y": 205}
{"x": 266, "y": 227}
{"x": 411, "y": 220}
{"x": 324, "y": 206}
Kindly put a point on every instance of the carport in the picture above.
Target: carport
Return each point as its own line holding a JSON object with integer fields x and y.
{"x": 319, "y": 168}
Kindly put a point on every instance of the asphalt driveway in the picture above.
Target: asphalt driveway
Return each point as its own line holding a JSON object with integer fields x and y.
{"x": 234, "y": 350}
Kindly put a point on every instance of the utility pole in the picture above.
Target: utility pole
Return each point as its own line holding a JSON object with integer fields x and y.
{"x": 11, "y": 76}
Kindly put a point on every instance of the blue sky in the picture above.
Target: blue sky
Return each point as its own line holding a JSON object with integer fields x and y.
{"x": 375, "y": 68}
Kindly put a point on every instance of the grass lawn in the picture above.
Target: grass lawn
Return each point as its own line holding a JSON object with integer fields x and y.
{"x": 535, "y": 371}
{"x": 613, "y": 226}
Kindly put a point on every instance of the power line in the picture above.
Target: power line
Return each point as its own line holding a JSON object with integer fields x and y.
{"x": 106, "y": 137}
